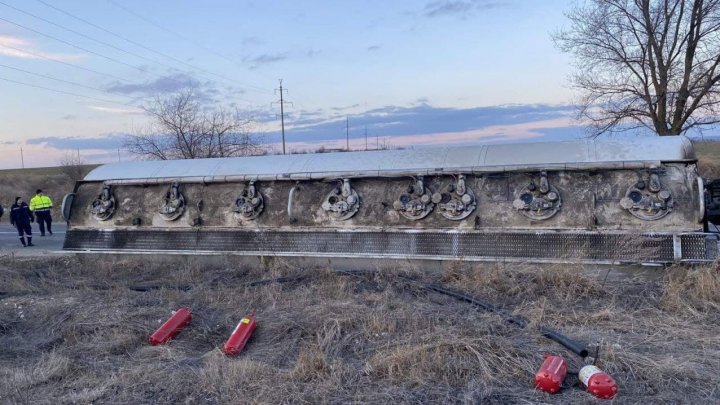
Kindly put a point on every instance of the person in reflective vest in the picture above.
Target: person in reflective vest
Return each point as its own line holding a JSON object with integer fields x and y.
{"x": 41, "y": 205}
{"x": 21, "y": 217}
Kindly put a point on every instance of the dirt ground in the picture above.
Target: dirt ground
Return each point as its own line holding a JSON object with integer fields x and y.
{"x": 74, "y": 330}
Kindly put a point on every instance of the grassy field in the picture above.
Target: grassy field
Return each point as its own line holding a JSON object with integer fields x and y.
{"x": 23, "y": 183}
{"x": 708, "y": 158}
{"x": 76, "y": 331}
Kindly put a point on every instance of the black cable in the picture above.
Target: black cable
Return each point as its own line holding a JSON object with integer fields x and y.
{"x": 558, "y": 337}
{"x": 570, "y": 344}
{"x": 146, "y": 288}
{"x": 279, "y": 280}
{"x": 482, "y": 304}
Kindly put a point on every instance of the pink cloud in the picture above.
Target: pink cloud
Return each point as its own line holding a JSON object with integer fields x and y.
{"x": 46, "y": 156}
{"x": 493, "y": 133}
{"x": 17, "y": 47}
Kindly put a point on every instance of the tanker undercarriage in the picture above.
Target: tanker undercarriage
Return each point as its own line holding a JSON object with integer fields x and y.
{"x": 580, "y": 201}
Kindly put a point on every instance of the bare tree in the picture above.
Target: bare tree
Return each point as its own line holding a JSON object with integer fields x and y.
{"x": 73, "y": 166}
{"x": 183, "y": 128}
{"x": 646, "y": 63}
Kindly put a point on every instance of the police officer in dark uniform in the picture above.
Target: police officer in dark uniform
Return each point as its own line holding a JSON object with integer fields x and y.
{"x": 21, "y": 217}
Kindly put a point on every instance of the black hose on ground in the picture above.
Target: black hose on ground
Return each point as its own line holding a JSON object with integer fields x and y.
{"x": 551, "y": 334}
{"x": 517, "y": 320}
{"x": 482, "y": 304}
{"x": 146, "y": 288}
{"x": 570, "y": 344}
{"x": 279, "y": 280}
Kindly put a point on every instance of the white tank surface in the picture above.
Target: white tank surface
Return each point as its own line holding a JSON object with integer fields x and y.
{"x": 592, "y": 200}
{"x": 568, "y": 155}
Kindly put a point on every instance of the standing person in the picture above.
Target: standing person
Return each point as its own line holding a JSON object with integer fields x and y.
{"x": 41, "y": 205}
{"x": 21, "y": 217}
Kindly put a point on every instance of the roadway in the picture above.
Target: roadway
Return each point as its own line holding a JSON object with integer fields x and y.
{"x": 44, "y": 246}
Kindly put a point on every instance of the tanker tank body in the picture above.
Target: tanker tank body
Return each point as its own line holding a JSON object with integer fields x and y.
{"x": 598, "y": 201}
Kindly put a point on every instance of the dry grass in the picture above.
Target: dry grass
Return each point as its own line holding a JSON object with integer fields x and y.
{"x": 24, "y": 182}
{"x": 74, "y": 331}
{"x": 708, "y": 158}
{"x": 692, "y": 290}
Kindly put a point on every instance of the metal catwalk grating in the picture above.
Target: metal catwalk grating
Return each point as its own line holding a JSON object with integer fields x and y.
{"x": 397, "y": 244}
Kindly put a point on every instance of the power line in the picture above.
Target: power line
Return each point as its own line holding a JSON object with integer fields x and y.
{"x": 63, "y": 92}
{"x": 87, "y": 36}
{"x": 153, "y": 23}
{"x": 64, "y": 63}
{"x": 183, "y": 37}
{"x": 82, "y": 48}
{"x": 54, "y": 78}
{"x": 130, "y": 41}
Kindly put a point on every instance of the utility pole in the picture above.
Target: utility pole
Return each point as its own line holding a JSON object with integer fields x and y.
{"x": 365, "y": 138}
{"x": 118, "y": 155}
{"x": 282, "y": 103}
{"x": 22, "y": 158}
{"x": 347, "y": 132}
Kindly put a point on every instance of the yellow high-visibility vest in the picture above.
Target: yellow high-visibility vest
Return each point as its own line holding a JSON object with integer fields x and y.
{"x": 40, "y": 202}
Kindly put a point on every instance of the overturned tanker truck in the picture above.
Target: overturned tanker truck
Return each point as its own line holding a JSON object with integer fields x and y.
{"x": 597, "y": 201}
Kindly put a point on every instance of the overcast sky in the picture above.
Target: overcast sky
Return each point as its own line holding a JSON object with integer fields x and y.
{"x": 411, "y": 72}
